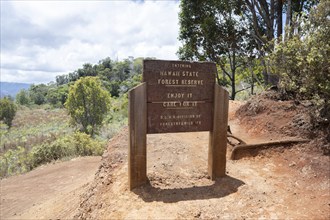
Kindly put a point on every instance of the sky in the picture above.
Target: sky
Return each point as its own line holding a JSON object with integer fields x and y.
{"x": 43, "y": 39}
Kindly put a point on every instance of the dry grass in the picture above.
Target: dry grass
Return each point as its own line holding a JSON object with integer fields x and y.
{"x": 35, "y": 126}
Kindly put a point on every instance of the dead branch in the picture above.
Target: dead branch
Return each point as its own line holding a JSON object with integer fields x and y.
{"x": 267, "y": 144}
{"x": 236, "y": 138}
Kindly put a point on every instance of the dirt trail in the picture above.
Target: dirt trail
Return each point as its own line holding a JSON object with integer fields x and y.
{"x": 238, "y": 129}
{"x": 49, "y": 189}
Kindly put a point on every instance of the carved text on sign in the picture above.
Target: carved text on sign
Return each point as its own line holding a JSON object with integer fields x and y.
{"x": 178, "y": 92}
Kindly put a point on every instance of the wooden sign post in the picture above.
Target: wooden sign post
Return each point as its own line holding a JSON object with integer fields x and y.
{"x": 177, "y": 96}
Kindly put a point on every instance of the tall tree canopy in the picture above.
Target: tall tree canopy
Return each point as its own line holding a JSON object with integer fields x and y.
{"x": 230, "y": 32}
{"x": 266, "y": 17}
{"x": 213, "y": 31}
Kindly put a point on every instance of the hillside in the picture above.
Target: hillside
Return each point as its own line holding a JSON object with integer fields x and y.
{"x": 283, "y": 182}
{"x": 11, "y": 88}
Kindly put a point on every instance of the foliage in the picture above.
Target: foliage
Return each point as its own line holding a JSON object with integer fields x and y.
{"x": 78, "y": 144}
{"x": 116, "y": 118}
{"x": 57, "y": 96}
{"x": 116, "y": 76}
{"x": 41, "y": 131}
{"x": 229, "y": 32}
{"x": 302, "y": 62}
{"x": 87, "y": 104}
{"x": 15, "y": 162}
{"x": 214, "y": 31}
{"x": 38, "y": 94}
{"x": 23, "y": 97}
{"x": 20, "y": 160}
{"x": 7, "y": 111}
{"x": 113, "y": 74}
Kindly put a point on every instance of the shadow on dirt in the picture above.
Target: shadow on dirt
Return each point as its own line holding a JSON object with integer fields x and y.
{"x": 220, "y": 188}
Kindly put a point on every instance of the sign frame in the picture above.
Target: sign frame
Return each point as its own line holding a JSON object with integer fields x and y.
{"x": 140, "y": 104}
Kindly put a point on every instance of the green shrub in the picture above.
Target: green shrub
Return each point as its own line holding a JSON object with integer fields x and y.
{"x": 15, "y": 162}
{"x": 116, "y": 118}
{"x": 48, "y": 152}
{"x": 84, "y": 145}
{"x": 7, "y": 111}
{"x": 78, "y": 144}
{"x": 302, "y": 62}
{"x": 22, "y": 97}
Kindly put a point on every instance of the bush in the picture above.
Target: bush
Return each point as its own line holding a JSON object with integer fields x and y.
{"x": 302, "y": 62}
{"x": 20, "y": 161}
{"x": 15, "y": 162}
{"x": 22, "y": 97}
{"x": 78, "y": 144}
{"x": 84, "y": 145}
{"x": 46, "y": 153}
{"x": 7, "y": 111}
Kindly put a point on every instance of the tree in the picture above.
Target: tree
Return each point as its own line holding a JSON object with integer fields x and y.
{"x": 213, "y": 31}
{"x": 57, "y": 96}
{"x": 266, "y": 17}
{"x": 7, "y": 111}
{"x": 122, "y": 70}
{"x": 88, "y": 103}
{"x": 62, "y": 79}
{"x": 22, "y": 97}
{"x": 38, "y": 94}
{"x": 87, "y": 70}
{"x": 266, "y": 22}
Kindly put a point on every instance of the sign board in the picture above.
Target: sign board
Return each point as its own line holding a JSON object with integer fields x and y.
{"x": 179, "y": 95}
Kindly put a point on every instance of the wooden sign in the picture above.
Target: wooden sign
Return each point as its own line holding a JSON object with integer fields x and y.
{"x": 179, "y": 95}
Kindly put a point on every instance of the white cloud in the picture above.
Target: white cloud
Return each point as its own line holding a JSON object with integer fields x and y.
{"x": 42, "y": 39}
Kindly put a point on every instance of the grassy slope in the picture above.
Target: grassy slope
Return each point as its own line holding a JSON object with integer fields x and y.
{"x": 33, "y": 127}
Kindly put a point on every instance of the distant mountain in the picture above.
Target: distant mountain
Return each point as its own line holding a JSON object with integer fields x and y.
{"x": 11, "y": 89}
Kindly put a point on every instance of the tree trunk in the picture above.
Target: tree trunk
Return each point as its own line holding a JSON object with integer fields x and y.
{"x": 264, "y": 71}
{"x": 233, "y": 88}
{"x": 288, "y": 19}
{"x": 252, "y": 80}
{"x": 288, "y": 13}
{"x": 233, "y": 76}
{"x": 279, "y": 11}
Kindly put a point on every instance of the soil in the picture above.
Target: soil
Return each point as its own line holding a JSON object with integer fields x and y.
{"x": 291, "y": 182}
{"x": 48, "y": 191}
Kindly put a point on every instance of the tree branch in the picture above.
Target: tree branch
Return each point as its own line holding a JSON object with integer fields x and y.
{"x": 267, "y": 144}
{"x": 251, "y": 6}
{"x": 224, "y": 70}
{"x": 241, "y": 90}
